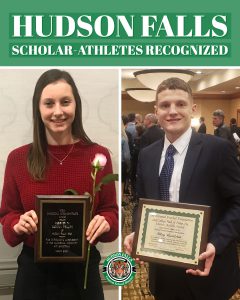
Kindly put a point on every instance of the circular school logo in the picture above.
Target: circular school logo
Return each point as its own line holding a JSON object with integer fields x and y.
{"x": 119, "y": 268}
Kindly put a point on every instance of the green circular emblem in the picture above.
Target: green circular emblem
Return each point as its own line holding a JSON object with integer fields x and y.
{"x": 119, "y": 268}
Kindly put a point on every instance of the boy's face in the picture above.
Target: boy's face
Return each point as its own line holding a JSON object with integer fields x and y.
{"x": 174, "y": 109}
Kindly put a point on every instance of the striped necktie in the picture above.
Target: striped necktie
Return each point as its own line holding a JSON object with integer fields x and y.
{"x": 166, "y": 173}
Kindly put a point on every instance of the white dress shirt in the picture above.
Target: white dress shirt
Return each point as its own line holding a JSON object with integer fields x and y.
{"x": 181, "y": 145}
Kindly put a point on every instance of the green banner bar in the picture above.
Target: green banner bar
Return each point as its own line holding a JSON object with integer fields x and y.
{"x": 120, "y": 34}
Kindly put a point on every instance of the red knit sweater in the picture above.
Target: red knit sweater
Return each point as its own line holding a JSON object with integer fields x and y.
{"x": 19, "y": 189}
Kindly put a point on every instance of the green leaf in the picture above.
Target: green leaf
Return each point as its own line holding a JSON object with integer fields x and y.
{"x": 70, "y": 192}
{"x": 109, "y": 177}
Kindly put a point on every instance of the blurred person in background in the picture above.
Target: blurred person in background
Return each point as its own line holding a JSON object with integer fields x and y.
{"x": 202, "y": 128}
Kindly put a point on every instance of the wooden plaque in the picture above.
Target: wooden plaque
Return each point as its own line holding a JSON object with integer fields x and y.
{"x": 62, "y": 225}
{"x": 171, "y": 233}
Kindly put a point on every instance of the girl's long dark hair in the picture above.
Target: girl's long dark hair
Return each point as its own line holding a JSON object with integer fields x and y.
{"x": 37, "y": 156}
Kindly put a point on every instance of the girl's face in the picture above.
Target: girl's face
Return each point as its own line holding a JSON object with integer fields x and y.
{"x": 57, "y": 108}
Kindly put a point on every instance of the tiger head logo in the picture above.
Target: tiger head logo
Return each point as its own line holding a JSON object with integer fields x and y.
{"x": 119, "y": 269}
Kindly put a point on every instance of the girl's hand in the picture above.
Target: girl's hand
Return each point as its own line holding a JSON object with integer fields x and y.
{"x": 27, "y": 223}
{"x": 97, "y": 227}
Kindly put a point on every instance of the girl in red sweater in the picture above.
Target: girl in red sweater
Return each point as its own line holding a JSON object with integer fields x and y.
{"x": 58, "y": 159}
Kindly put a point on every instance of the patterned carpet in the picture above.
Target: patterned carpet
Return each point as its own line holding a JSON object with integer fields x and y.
{"x": 138, "y": 289}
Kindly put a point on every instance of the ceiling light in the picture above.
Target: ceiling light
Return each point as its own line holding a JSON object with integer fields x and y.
{"x": 152, "y": 78}
{"x": 142, "y": 94}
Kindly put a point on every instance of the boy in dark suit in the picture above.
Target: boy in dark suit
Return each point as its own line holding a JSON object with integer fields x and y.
{"x": 202, "y": 128}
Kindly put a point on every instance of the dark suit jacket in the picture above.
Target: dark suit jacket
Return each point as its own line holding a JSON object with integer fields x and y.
{"x": 235, "y": 129}
{"x": 210, "y": 176}
{"x": 224, "y": 132}
{"x": 151, "y": 135}
{"x": 202, "y": 128}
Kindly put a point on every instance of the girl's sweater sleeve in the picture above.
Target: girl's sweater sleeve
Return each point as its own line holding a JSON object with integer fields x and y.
{"x": 11, "y": 206}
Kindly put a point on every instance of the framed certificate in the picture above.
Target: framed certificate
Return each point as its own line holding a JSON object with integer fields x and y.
{"x": 62, "y": 224}
{"x": 171, "y": 233}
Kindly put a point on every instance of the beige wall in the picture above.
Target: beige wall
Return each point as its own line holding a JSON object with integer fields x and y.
{"x": 129, "y": 106}
{"x": 235, "y": 105}
{"x": 205, "y": 108}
